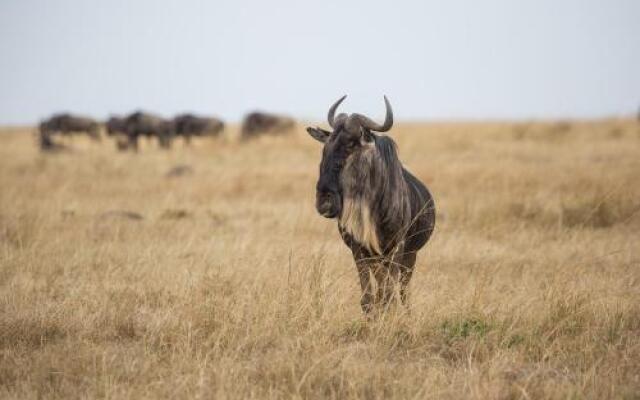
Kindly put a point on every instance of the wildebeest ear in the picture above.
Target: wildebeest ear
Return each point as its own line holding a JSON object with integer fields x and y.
{"x": 318, "y": 134}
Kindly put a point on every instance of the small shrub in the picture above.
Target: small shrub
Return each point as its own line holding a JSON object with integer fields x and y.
{"x": 465, "y": 327}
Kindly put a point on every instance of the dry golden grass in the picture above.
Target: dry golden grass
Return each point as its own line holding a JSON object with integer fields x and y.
{"x": 231, "y": 286}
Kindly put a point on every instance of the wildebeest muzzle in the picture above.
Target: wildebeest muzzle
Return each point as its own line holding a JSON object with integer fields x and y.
{"x": 328, "y": 203}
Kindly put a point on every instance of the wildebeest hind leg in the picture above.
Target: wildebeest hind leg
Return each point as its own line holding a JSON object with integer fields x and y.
{"x": 406, "y": 264}
{"x": 387, "y": 275}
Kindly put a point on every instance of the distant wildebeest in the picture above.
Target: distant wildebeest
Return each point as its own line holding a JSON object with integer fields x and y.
{"x": 68, "y": 124}
{"x": 385, "y": 214}
{"x": 257, "y": 123}
{"x": 189, "y": 125}
{"x": 116, "y": 125}
{"x": 145, "y": 124}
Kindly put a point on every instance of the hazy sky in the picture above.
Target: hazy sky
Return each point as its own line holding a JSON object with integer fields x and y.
{"x": 434, "y": 59}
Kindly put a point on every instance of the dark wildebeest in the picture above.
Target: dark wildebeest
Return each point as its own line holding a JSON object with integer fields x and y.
{"x": 188, "y": 125}
{"x": 116, "y": 127}
{"x": 257, "y": 123}
{"x": 145, "y": 124}
{"x": 67, "y": 124}
{"x": 385, "y": 214}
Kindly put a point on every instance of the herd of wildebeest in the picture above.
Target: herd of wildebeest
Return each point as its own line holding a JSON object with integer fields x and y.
{"x": 127, "y": 130}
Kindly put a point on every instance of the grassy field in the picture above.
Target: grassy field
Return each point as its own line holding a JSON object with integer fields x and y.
{"x": 231, "y": 286}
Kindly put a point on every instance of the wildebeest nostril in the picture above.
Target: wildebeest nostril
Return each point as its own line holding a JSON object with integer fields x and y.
{"x": 326, "y": 197}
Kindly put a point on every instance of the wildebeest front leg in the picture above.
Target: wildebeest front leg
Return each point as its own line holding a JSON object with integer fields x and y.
{"x": 133, "y": 142}
{"x": 164, "y": 140}
{"x": 364, "y": 273}
{"x": 94, "y": 133}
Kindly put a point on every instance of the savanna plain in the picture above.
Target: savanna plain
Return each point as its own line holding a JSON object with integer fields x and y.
{"x": 120, "y": 281}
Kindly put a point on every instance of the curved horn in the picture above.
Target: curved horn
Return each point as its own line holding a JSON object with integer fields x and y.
{"x": 332, "y": 110}
{"x": 374, "y": 126}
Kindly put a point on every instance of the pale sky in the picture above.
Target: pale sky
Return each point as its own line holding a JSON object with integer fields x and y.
{"x": 434, "y": 59}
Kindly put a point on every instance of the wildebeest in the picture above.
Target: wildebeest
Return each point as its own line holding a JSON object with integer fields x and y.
{"x": 385, "y": 214}
{"x": 257, "y": 123}
{"x": 116, "y": 125}
{"x": 68, "y": 124}
{"x": 189, "y": 125}
{"x": 145, "y": 124}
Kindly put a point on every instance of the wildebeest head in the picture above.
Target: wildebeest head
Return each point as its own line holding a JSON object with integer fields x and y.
{"x": 351, "y": 134}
